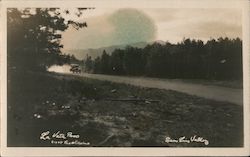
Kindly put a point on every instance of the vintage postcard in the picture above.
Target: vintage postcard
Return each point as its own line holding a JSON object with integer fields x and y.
{"x": 124, "y": 78}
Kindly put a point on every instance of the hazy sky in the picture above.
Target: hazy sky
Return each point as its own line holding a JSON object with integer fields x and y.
{"x": 108, "y": 27}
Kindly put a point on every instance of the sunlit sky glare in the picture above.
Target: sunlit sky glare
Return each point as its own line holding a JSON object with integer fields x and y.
{"x": 107, "y": 26}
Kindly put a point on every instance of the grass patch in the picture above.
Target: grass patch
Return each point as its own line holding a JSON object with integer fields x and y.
{"x": 39, "y": 102}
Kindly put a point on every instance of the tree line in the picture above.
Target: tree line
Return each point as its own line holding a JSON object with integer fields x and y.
{"x": 219, "y": 59}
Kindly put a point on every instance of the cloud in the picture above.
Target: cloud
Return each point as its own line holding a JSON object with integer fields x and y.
{"x": 122, "y": 26}
{"x": 107, "y": 26}
{"x": 216, "y": 29}
{"x": 131, "y": 25}
{"x": 162, "y": 14}
{"x": 198, "y": 23}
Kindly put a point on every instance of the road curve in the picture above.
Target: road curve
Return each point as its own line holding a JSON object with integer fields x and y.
{"x": 206, "y": 91}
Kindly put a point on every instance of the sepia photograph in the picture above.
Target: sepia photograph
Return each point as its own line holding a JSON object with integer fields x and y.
{"x": 124, "y": 77}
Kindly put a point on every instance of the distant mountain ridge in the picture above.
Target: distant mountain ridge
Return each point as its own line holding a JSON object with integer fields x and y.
{"x": 94, "y": 53}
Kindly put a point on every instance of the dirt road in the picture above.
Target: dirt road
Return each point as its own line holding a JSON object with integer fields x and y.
{"x": 206, "y": 91}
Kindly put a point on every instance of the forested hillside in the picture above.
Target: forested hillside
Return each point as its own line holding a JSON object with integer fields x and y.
{"x": 216, "y": 59}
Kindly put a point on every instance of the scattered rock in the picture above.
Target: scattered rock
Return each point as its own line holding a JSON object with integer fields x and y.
{"x": 66, "y": 106}
{"x": 38, "y": 116}
{"x": 134, "y": 114}
{"x": 147, "y": 102}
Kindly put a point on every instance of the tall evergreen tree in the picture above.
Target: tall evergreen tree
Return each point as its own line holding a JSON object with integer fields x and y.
{"x": 34, "y": 36}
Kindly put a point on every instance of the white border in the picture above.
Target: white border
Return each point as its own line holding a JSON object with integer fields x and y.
{"x": 115, "y": 151}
